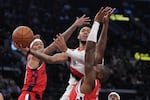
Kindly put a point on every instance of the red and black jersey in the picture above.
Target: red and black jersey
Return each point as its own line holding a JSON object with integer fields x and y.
{"x": 35, "y": 80}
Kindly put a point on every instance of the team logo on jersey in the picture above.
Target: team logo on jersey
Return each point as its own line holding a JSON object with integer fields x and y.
{"x": 74, "y": 62}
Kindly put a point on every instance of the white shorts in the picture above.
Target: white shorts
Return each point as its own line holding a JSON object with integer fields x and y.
{"x": 66, "y": 94}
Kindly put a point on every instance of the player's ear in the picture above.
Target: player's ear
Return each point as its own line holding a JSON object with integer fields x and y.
{"x": 78, "y": 36}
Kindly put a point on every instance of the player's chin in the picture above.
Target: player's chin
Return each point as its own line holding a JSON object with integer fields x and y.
{"x": 40, "y": 49}
{"x": 84, "y": 39}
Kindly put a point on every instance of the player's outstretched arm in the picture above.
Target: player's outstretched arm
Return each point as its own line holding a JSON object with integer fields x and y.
{"x": 101, "y": 45}
{"x": 90, "y": 75}
{"x": 78, "y": 22}
{"x": 56, "y": 58}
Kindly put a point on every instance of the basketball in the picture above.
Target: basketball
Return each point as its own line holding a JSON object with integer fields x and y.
{"x": 22, "y": 35}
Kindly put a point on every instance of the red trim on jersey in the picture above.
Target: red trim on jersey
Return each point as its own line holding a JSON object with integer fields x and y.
{"x": 79, "y": 49}
{"x": 93, "y": 95}
{"x": 75, "y": 72}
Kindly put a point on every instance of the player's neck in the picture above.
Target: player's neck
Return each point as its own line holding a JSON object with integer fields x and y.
{"x": 82, "y": 46}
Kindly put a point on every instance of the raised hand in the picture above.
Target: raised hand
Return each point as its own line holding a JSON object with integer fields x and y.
{"x": 101, "y": 13}
{"x": 20, "y": 47}
{"x": 60, "y": 43}
{"x": 82, "y": 20}
{"x": 107, "y": 16}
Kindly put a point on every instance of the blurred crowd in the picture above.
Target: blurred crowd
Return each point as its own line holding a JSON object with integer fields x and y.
{"x": 49, "y": 17}
{"x": 9, "y": 88}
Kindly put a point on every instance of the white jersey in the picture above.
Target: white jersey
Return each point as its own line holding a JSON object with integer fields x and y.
{"x": 76, "y": 68}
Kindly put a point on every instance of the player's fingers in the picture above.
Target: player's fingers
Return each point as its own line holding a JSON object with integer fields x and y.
{"x": 77, "y": 18}
{"x": 56, "y": 44}
{"x": 112, "y": 11}
{"x": 59, "y": 44}
{"x": 15, "y": 44}
{"x": 108, "y": 13}
{"x": 87, "y": 19}
{"x": 101, "y": 9}
{"x": 20, "y": 46}
{"x": 61, "y": 40}
{"x": 54, "y": 39}
{"x": 58, "y": 40}
{"x": 59, "y": 34}
{"x": 86, "y": 23}
{"x": 57, "y": 37}
{"x": 83, "y": 15}
{"x": 106, "y": 9}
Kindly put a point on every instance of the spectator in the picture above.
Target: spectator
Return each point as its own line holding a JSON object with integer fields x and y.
{"x": 113, "y": 96}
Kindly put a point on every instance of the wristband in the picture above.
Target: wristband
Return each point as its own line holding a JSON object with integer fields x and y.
{"x": 93, "y": 34}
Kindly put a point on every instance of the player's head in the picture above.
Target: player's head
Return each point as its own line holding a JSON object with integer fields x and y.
{"x": 102, "y": 72}
{"x": 83, "y": 32}
{"x": 37, "y": 44}
{"x": 113, "y": 96}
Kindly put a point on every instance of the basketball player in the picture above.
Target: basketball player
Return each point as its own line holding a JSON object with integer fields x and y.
{"x": 76, "y": 69}
{"x": 89, "y": 86}
{"x": 36, "y": 78}
{"x": 99, "y": 49}
{"x": 62, "y": 57}
{"x": 78, "y": 22}
{"x": 77, "y": 59}
{"x": 113, "y": 96}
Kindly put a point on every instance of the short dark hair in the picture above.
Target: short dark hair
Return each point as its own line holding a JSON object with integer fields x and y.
{"x": 84, "y": 25}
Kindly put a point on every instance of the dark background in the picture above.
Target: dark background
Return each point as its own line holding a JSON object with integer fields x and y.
{"x": 129, "y": 77}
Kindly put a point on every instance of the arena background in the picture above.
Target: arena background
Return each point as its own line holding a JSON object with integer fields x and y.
{"x": 127, "y": 52}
